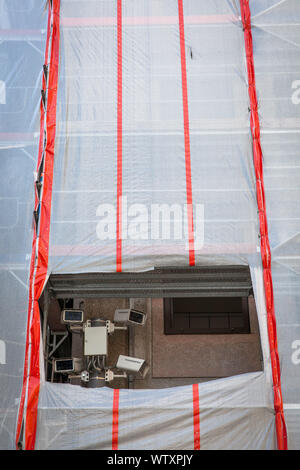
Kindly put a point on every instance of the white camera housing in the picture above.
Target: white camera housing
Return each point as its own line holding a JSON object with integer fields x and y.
{"x": 71, "y": 315}
{"x": 130, "y": 315}
{"x": 132, "y": 365}
{"x": 61, "y": 366}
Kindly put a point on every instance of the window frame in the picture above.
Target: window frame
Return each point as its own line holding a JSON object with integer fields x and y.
{"x": 169, "y": 328}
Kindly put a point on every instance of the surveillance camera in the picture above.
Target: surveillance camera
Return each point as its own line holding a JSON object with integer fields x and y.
{"x": 132, "y": 365}
{"x": 63, "y": 365}
{"x": 129, "y": 315}
{"x": 72, "y": 316}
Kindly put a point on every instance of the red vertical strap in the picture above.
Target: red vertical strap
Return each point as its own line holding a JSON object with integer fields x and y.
{"x": 31, "y": 270}
{"x": 115, "y": 420}
{"x": 40, "y": 247}
{"x": 188, "y": 174}
{"x": 264, "y": 237}
{"x": 196, "y": 415}
{"x": 119, "y": 139}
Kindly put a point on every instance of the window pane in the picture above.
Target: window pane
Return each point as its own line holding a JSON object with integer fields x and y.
{"x": 207, "y": 315}
{"x": 208, "y": 305}
{"x": 218, "y": 322}
{"x": 181, "y": 322}
{"x": 199, "y": 321}
{"x": 236, "y": 322}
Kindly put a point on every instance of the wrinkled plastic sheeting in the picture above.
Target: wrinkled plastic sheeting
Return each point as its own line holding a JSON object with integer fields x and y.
{"x": 76, "y": 417}
{"x": 276, "y": 41}
{"x": 235, "y": 412}
{"x": 153, "y": 150}
{"x": 153, "y": 163}
{"x": 22, "y": 46}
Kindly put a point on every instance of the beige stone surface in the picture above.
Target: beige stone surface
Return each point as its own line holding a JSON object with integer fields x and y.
{"x": 174, "y": 360}
{"x": 203, "y": 355}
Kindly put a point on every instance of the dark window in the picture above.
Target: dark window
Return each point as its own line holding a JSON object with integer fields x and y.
{"x": 206, "y": 315}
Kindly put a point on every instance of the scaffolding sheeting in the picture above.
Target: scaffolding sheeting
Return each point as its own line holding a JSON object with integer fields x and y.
{"x": 22, "y": 46}
{"x": 156, "y": 119}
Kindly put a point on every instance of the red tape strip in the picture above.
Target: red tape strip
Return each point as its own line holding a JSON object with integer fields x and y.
{"x": 265, "y": 246}
{"x": 40, "y": 244}
{"x": 115, "y": 420}
{"x": 188, "y": 173}
{"x": 196, "y": 414}
{"x": 119, "y": 139}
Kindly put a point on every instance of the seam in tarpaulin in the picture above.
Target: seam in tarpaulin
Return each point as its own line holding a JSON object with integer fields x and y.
{"x": 196, "y": 416}
{"x": 264, "y": 237}
{"x": 186, "y": 125}
{"x": 119, "y": 138}
{"x": 115, "y": 420}
{"x": 27, "y": 415}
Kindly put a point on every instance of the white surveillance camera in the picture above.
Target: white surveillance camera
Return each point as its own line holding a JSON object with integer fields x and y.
{"x": 130, "y": 315}
{"x": 72, "y": 316}
{"x": 132, "y": 365}
{"x": 62, "y": 366}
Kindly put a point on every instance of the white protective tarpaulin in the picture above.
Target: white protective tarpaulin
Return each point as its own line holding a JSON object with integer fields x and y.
{"x": 143, "y": 154}
{"x": 22, "y": 46}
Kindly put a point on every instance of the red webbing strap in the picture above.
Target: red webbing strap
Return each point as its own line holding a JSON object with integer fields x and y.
{"x": 42, "y": 117}
{"x": 115, "y": 420}
{"x": 196, "y": 415}
{"x": 264, "y": 237}
{"x": 188, "y": 174}
{"x": 119, "y": 139}
{"x": 40, "y": 244}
